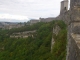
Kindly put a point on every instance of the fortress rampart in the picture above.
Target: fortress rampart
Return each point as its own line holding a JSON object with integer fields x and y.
{"x": 72, "y": 19}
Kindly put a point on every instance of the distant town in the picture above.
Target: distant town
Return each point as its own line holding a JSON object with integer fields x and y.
{"x": 10, "y": 25}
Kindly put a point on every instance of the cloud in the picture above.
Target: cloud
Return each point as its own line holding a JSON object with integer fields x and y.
{"x": 17, "y": 17}
{"x": 30, "y": 8}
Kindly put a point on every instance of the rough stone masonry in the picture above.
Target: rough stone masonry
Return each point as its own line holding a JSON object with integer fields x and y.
{"x": 72, "y": 19}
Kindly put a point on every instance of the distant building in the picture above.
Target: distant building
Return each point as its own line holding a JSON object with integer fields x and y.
{"x": 24, "y": 34}
{"x": 33, "y": 21}
{"x": 47, "y": 19}
{"x": 10, "y": 26}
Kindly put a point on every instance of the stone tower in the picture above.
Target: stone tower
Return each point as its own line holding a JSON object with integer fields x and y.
{"x": 64, "y": 6}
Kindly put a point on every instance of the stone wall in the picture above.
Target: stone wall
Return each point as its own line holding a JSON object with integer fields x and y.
{"x": 34, "y": 21}
{"x": 72, "y": 19}
{"x": 24, "y": 34}
{"x": 73, "y": 51}
{"x": 47, "y": 19}
{"x": 73, "y": 3}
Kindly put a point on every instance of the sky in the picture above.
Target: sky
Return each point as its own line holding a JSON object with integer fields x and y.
{"x": 24, "y": 10}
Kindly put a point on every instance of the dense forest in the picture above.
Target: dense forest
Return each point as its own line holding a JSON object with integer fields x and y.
{"x": 37, "y": 47}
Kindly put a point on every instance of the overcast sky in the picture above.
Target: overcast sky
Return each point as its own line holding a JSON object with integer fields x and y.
{"x": 23, "y": 10}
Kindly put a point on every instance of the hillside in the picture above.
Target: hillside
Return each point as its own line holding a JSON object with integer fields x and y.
{"x": 37, "y": 47}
